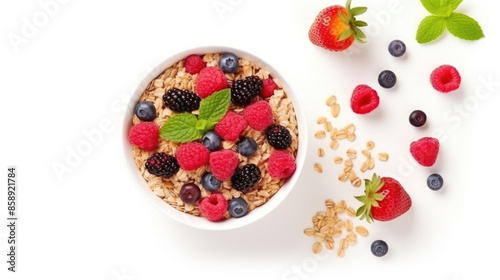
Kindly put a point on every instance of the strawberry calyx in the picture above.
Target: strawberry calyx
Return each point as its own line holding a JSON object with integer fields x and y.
{"x": 370, "y": 198}
{"x": 352, "y": 23}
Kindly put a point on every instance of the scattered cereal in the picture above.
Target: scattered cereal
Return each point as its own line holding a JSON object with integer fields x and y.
{"x": 331, "y": 100}
{"x": 321, "y": 152}
{"x": 328, "y": 126}
{"x": 334, "y": 144}
{"x": 318, "y": 168}
{"x": 370, "y": 144}
{"x": 350, "y": 211}
{"x": 383, "y": 156}
{"x": 351, "y": 153}
{"x": 320, "y": 134}
{"x": 338, "y": 160}
{"x": 335, "y": 110}
{"x": 309, "y": 232}
{"x": 361, "y": 230}
{"x": 317, "y": 248}
{"x": 321, "y": 120}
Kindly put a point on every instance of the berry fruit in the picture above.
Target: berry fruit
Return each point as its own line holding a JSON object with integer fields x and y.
{"x": 259, "y": 115}
{"x": 425, "y": 151}
{"x": 247, "y": 146}
{"x": 335, "y": 28}
{"x": 244, "y": 90}
{"x": 228, "y": 63}
{"x": 268, "y": 87}
{"x": 162, "y": 165}
{"x": 212, "y": 141}
{"x": 144, "y": 135}
{"x": 445, "y": 78}
{"x": 192, "y": 156}
{"x": 387, "y": 79}
{"x": 246, "y": 177}
{"x": 379, "y": 248}
{"x": 364, "y": 99}
{"x": 190, "y": 193}
{"x": 278, "y": 136}
{"x": 418, "y": 118}
{"x": 194, "y": 64}
{"x": 213, "y": 207}
{"x": 231, "y": 126}
{"x": 435, "y": 182}
{"x": 210, "y": 80}
{"x": 238, "y": 207}
{"x": 210, "y": 183}
{"x": 145, "y": 111}
{"x": 397, "y": 48}
{"x": 281, "y": 164}
{"x": 181, "y": 100}
{"x": 223, "y": 164}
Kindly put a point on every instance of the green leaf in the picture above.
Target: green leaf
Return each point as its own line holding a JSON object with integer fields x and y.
{"x": 441, "y": 7}
{"x": 360, "y": 23}
{"x": 346, "y": 34}
{"x": 359, "y": 33}
{"x": 361, "y": 198}
{"x": 358, "y": 11}
{"x": 343, "y": 17}
{"x": 430, "y": 29}
{"x": 214, "y": 107}
{"x": 181, "y": 128}
{"x": 464, "y": 27}
{"x": 360, "y": 210}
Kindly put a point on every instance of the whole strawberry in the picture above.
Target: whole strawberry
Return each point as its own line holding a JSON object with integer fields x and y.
{"x": 335, "y": 28}
{"x": 384, "y": 200}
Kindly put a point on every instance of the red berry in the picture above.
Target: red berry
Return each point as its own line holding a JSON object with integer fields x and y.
{"x": 194, "y": 64}
{"x": 223, "y": 164}
{"x": 213, "y": 207}
{"x": 231, "y": 126}
{"x": 281, "y": 164}
{"x": 425, "y": 151}
{"x": 210, "y": 80}
{"x": 445, "y": 78}
{"x": 364, "y": 99}
{"x": 259, "y": 115}
{"x": 268, "y": 87}
{"x": 192, "y": 156}
{"x": 144, "y": 135}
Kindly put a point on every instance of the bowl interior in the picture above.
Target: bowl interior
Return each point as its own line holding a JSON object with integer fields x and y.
{"x": 200, "y": 222}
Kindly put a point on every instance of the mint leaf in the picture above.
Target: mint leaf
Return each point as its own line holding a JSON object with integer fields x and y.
{"x": 214, "y": 107}
{"x": 430, "y": 29}
{"x": 441, "y": 7}
{"x": 181, "y": 128}
{"x": 464, "y": 27}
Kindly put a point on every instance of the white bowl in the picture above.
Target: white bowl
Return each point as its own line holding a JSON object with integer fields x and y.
{"x": 201, "y": 222}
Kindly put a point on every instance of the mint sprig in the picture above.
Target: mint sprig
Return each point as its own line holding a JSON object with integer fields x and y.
{"x": 444, "y": 17}
{"x": 186, "y": 127}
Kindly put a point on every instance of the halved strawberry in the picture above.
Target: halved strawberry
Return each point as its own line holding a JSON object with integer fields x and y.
{"x": 335, "y": 28}
{"x": 364, "y": 99}
{"x": 384, "y": 200}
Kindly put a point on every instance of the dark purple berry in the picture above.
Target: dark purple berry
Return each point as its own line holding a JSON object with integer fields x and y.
{"x": 387, "y": 79}
{"x": 435, "y": 182}
{"x": 379, "y": 248}
{"x": 190, "y": 193}
{"x": 145, "y": 111}
{"x": 397, "y": 48}
{"x": 418, "y": 118}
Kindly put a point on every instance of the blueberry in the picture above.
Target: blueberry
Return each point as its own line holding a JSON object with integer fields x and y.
{"x": 435, "y": 182}
{"x": 397, "y": 48}
{"x": 145, "y": 111}
{"x": 238, "y": 207}
{"x": 190, "y": 193}
{"x": 210, "y": 183}
{"x": 228, "y": 63}
{"x": 247, "y": 146}
{"x": 379, "y": 248}
{"x": 212, "y": 141}
{"x": 387, "y": 79}
{"x": 418, "y": 118}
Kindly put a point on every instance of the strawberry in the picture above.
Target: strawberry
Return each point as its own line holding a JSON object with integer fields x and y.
{"x": 335, "y": 28}
{"x": 364, "y": 99}
{"x": 425, "y": 151}
{"x": 384, "y": 200}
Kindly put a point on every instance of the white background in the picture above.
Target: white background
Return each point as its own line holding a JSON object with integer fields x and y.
{"x": 77, "y": 68}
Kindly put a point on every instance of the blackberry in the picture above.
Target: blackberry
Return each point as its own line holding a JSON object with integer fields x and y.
{"x": 245, "y": 177}
{"x": 278, "y": 136}
{"x": 244, "y": 90}
{"x": 181, "y": 100}
{"x": 162, "y": 165}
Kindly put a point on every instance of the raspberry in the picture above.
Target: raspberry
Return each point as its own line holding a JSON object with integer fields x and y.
{"x": 268, "y": 87}
{"x": 181, "y": 100}
{"x": 246, "y": 177}
{"x": 144, "y": 135}
{"x": 162, "y": 165}
{"x": 364, "y": 99}
{"x": 223, "y": 164}
{"x": 425, "y": 151}
{"x": 259, "y": 115}
{"x": 281, "y": 164}
{"x": 244, "y": 90}
{"x": 192, "y": 156}
{"x": 230, "y": 127}
{"x": 194, "y": 64}
{"x": 445, "y": 78}
{"x": 213, "y": 207}
{"x": 278, "y": 136}
{"x": 210, "y": 80}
